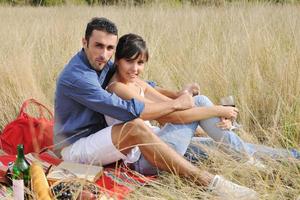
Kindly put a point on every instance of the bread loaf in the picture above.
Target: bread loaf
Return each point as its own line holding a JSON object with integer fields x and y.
{"x": 39, "y": 182}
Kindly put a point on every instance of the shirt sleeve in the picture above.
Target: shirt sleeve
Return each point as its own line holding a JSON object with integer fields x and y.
{"x": 96, "y": 98}
{"x": 151, "y": 83}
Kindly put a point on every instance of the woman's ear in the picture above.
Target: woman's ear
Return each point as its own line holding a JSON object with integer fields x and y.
{"x": 116, "y": 63}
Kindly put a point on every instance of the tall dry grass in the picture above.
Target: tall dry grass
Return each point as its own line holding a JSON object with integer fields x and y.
{"x": 251, "y": 51}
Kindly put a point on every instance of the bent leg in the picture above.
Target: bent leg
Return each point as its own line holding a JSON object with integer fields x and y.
{"x": 198, "y": 148}
{"x": 163, "y": 157}
{"x": 176, "y": 136}
{"x": 234, "y": 142}
{"x": 155, "y": 152}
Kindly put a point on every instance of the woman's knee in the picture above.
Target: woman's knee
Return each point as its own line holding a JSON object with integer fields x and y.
{"x": 202, "y": 100}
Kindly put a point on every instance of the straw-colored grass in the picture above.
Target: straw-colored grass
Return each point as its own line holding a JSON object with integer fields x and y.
{"x": 251, "y": 51}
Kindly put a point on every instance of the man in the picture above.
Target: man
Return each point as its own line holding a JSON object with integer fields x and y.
{"x": 81, "y": 102}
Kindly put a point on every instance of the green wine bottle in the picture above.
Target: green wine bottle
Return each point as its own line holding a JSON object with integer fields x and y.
{"x": 20, "y": 175}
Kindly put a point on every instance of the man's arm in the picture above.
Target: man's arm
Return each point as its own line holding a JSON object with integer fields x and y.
{"x": 91, "y": 95}
{"x": 156, "y": 110}
{"x": 153, "y": 109}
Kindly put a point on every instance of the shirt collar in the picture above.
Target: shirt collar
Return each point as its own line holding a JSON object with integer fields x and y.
{"x": 84, "y": 58}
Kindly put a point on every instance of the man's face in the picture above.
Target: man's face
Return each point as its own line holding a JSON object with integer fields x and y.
{"x": 100, "y": 48}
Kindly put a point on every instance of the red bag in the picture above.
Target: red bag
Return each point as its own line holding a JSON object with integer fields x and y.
{"x": 35, "y": 133}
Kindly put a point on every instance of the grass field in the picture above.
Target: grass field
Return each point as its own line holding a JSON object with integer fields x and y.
{"x": 251, "y": 51}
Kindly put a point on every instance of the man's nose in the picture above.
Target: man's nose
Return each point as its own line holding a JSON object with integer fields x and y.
{"x": 103, "y": 54}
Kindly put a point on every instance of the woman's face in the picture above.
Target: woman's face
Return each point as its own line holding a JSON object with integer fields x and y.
{"x": 130, "y": 69}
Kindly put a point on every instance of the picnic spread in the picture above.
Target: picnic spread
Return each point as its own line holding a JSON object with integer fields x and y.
{"x": 28, "y": 140}
{"x": 115, "y": 182}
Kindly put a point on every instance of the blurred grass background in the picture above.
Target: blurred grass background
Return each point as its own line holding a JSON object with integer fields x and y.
{"x": 249, "y": 50}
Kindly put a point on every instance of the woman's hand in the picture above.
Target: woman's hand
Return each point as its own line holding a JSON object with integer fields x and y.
{"x": 224, "y": 123}
{"x": 192, "y": 88}
{"x": 227, "y": 112}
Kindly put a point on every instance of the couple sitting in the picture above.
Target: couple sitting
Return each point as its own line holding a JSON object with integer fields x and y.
{"x": 102, "y": 108}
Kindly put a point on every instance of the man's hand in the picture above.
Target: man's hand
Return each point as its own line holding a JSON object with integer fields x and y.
{"x": 225, "y": 123}
{"x": 192, "y": 88}
{"x": 227, "y": 112}
{"x": 184, "y": 101}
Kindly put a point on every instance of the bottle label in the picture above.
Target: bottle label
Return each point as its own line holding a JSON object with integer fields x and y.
{"x": 18, "y": 189}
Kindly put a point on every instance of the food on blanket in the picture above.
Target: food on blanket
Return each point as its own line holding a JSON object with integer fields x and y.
{"x": 61, "y": 191}
{"x": 86, "y": 195}
{"x": 72, "y": 189}
{"x": 39, "y": 182}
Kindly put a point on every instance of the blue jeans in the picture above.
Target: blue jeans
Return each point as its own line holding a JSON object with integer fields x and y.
{"x": 181, "y": 138}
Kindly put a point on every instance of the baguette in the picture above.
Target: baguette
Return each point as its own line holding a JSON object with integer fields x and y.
{"x": 39, "y": 182}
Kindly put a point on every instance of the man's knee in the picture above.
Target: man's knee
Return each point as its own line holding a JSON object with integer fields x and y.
{"x": 201, "y": 100}
{"x": 129, "y": 134}
{"x": 138, "y": 129}
{"x": 138, "y": 122}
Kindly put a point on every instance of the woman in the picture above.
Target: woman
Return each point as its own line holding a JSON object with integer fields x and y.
{"x": 130, "y": 58}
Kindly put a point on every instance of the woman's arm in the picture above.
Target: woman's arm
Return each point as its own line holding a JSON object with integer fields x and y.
{"x": 189, "y": 115}
{"x": 198, "y": 113}
{"x": 167, "y": 92}
{"x": 192, "y": 88}
{"x": 153, "y": 94}
{"x": 125, "y": 92}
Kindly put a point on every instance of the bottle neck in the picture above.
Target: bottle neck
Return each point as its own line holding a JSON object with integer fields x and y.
{"x": 20, "y": 153}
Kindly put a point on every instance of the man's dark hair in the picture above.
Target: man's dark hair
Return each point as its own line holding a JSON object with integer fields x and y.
{"x": 100, "y": 24}
{"x": 130, "y": 47}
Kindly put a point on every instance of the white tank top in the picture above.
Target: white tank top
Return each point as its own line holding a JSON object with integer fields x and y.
{"x": 135, "y": 153}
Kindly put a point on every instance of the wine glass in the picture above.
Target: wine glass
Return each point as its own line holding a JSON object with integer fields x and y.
{"x": 229, "y": 101}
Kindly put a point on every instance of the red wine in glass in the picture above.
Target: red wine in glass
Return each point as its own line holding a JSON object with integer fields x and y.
{"x": 229, "y": 101}
{"x": 229, "y": 105}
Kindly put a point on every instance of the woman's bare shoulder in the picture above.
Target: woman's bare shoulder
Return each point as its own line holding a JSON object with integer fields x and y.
{"x": 141, "y": 82}
{"x": 115, "y": 85}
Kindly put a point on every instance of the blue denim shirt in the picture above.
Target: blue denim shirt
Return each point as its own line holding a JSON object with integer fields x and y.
{"x": 81, "y": 101}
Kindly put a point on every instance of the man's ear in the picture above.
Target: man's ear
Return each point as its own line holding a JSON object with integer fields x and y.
{"x": 84, "y": 42}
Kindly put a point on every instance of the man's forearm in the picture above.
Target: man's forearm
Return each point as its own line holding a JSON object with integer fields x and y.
{"x": 190, "y": 115}
{"x": 158, "y": 109}
{"x": 154, "y": 111}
